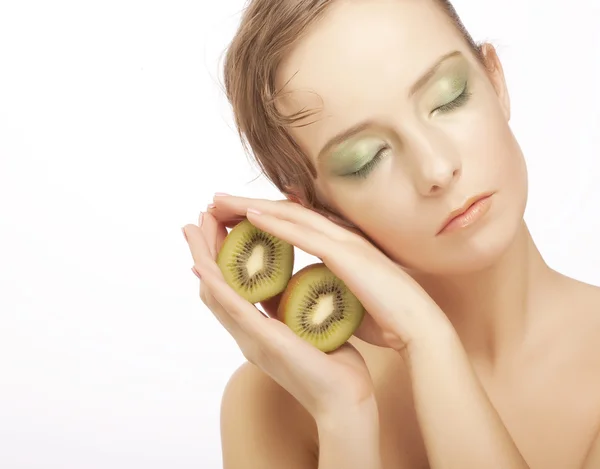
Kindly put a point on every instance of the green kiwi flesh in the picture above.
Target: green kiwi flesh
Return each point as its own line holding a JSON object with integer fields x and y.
{"x": 256, "y": 264}
{"x": 320, "y": 308}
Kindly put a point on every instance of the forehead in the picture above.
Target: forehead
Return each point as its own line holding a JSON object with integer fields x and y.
{"x": 359, "y": 58}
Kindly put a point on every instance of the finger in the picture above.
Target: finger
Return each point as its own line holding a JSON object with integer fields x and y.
{"x": 245, "y": 314}
{"x": 219, "y": 312}
{"x": 369, "y": 331}
{"x": 305, "y": 238}
{"x": 246, "y": 343}
{"x": 214, "y": 233}
{"x": 227, "y": 207}
{"x": 205, "y": 266}
{"x": 199, "y": 249}
{"x": 229, "y": 223}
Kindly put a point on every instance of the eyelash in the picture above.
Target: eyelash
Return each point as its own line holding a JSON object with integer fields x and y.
{"x": 459, "y": 101}
{"x": 366, "y": 169}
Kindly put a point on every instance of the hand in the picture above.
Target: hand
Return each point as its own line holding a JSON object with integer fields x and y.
{"x": 399, "y": 311}
{"x": 327, "y": 385}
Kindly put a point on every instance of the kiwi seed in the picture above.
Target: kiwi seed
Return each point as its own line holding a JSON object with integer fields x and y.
{"x": 320, "y": 308}
{"x": 256, "y": 264}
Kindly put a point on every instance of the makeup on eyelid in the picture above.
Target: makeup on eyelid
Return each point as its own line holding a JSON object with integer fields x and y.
{"x": 450, "y": 84}
{"x": 352, "y": 155}
{"x": 445, "y": 94}
{"x": 451, "y": 88}
{"x": 447, "y": 89}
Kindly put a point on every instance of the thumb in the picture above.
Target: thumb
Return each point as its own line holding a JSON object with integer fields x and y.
{"x": 369, "y": 331}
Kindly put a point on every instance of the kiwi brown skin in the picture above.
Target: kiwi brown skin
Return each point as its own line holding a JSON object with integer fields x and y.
{"x": 297, "y": 293}
{"x": 266, "y": 283}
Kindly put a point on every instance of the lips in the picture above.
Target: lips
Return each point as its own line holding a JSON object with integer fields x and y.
{"x": 463, "y": 208}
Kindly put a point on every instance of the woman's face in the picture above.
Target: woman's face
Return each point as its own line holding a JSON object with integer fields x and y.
{"x": 398, "y": 149}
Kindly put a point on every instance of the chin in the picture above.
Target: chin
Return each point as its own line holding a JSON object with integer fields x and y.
{"x": 478, "y": 253}
{"x": 478, "y": 247}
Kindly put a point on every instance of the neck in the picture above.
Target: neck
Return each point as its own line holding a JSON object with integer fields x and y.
{"x": 491, "y": 309}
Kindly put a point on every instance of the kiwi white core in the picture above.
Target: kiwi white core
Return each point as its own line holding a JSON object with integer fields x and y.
{"x": 324, "y": 309}
{"x": 255, "y": 261}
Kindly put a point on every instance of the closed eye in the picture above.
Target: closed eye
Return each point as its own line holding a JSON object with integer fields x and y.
{"x": 459, "y": 101}
{"x": 370, "y": 166}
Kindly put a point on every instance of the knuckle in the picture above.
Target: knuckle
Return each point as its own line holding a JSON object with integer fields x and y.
{"x": 357, "y": 241}
{"x": 343, "y": 237}
{"x": 352, "y": 235}
{"x": 324, "y": 254}
{"x": 327, "y": 249}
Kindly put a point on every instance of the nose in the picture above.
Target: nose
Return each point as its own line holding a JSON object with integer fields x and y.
{"x": 437, "y": 177}
{"x": 437, "y": 165}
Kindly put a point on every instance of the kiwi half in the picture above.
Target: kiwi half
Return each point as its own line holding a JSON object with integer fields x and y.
{"x": 257, "y": 265}
{"x": 320, "y": 308}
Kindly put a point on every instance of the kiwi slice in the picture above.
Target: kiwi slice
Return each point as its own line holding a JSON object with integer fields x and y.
{"x": 257, "y": 265}
{"x": 320, "y": 308}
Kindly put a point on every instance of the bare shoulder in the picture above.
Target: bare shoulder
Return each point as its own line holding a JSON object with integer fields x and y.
{"x": 575, "y": 307}
{"x": 262, "y": 425}
{"x": 586, "y": 305}
{"x": 584, "y": 298}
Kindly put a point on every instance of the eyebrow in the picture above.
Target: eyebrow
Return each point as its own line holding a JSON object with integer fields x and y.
{"x": 355, "y": 129}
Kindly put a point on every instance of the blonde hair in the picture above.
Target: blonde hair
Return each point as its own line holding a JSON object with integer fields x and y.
{"x": 267, "y": 31}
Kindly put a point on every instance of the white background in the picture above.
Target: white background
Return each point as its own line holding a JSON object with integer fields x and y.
{"x": 114, "y": 133}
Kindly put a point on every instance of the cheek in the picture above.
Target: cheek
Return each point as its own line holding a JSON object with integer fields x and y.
{"x": 396, "y": 226}
{"x": 491, "y": 156}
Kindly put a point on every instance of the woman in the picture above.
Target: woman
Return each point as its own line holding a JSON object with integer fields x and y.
{"x": 386, "y": 127}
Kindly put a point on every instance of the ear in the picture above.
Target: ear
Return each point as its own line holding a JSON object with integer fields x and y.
{"x": 495, "y": 73}
{"x": 293, "y": 195}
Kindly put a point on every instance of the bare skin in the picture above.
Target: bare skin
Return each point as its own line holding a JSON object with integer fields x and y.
{"x": 548, "y": 397}
{"x": 530, "y": 333}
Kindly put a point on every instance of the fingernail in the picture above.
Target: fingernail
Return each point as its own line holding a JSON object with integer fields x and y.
{"x": 210, "y": 206}
{"x": 253, "y": 210}
{"x": 200, "y": 219}
{"x": 221, "y": 194}
{"x": 196, "y": 273}
{"x": 184, "y": 235}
